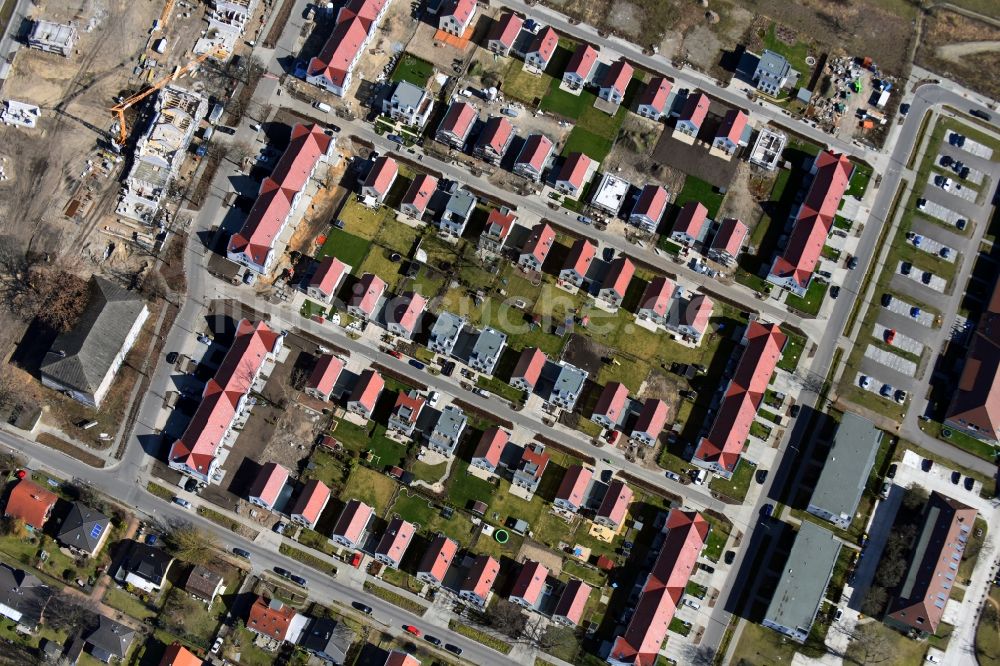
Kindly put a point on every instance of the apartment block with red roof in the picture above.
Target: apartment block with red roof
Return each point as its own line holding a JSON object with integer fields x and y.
{"x": 653, "y": 99}
{"x": 661, "y": 593}
{"x": 380, "y": 179}
{"x": 367, "y": 296}
{"x": 652, "y": 419}
{"x": 690, "y": 317}
{"x": 616, "y": 282}
{"x": 572, "y": 601}
{"x": 30, "y": 503}
{"x": 266, "y": 488}
{"x": 578, "y": 262}
{"x": 479, "y": 581}
{"x": 689, "y": 223}
{"x": 224, "y": 403}
{"x": 418, "y": 195}
{"x": 649, "y": 208}
{"x": 333, "y": 68}
{"x": 573, "y": 174}
{"x": 580, "y": 66}
{"x": 720, "y": 450}
{"x": 457, "y": 124}
{"x": 533, "y": 157}
{"x": 614, "y": 506}
{"x": 794, "y": 268}
{"x": 498, "y": 226}
{"x": 325, "y": 282}
{"x": 311, "y": 502}
{"x": 324, "y": 376}
{"x": 537, "y": 247}
{"x": 393, "y": 544}
{"x": 275, "y": 620}
{"x": 503, "y": 33}
{"x": 612, "y": 406}
{"x": 403, "y": 314}
{"x": 656, "y": 300}
{"x": 491, "y": 445}
{"x": 437, "y": 560}
{"x": 254, "y": 244}
{"x": 692, "y": 116}
{"x": 365, "y": 394}
{"x": 406, "y": 412}
{"x": 728, "y": 242}
{"x": 351, "y": 524}
{"x": 542, "y": 49}
{"x": 456, "y": 16}
{"x": 494, "y": 140}
{"x": 573, "y": 489}
{"x": 529, "y": 584}
{"x": 528, "y": 369}
{"x": 729, "y": 137}
{"x": 615, "y": 82}
{"x": 975, "y": 405}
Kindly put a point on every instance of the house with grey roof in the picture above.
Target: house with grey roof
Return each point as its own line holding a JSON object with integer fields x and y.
{"x": 84, "y": 530}
{"x": 145, "y": 567}
{"x": 450, "y": 425}
{"x": 408, "y": 104}
{"x": 845, "y": 473}
{"x": 109, "y": 640}
{"x": 568, "y": 386}
{"x": 804, "y": 578}
{"x": 486, "y": 351}
{"x": 83, "y": 362}
{"x": 445, "y": 332}
{"x": 772, "y": 73}
{"x": 457, "y": 212}
{"x": 327, "y": 639}
{"x": 23, "y": 597}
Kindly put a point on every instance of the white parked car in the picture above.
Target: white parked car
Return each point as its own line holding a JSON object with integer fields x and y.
{"x": 432, "y": 398}
{"x": 691, "y": 603}
{"x": 180, "y": 501}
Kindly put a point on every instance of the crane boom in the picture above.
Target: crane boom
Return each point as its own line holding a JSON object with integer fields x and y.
{"x": 165, "y": 14}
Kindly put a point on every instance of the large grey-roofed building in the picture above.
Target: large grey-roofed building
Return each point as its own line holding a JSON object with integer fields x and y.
{"x": 486, "y": 351}
{"x": 568, "y": 386}
{"x": 803, "y": 583}
{"x": 444, "y": 333}
{"x": 772, "y": 73}
{"x": 845, "y": 473}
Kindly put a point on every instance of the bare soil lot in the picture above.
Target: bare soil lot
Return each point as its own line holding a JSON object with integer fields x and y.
{"x": 944, "y": 34}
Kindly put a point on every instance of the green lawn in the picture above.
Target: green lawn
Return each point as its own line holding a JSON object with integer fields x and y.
{"x": 500, "y": 388}
{"x": 397, "y": 236}
{"x": 794, "y": 53}
{"x": 310, "y": 309}
{"x": 413, "y": 69}
{"x": 792, "y": 352}
{"x": 364, "y": 222}
{"x": 128, "y": 603}
{"x": 418, "y": 509}
{"x": 520, "y": 85}
{"x": 370, "y": 487}
{"x": 347, "y": 247}
{"x": 480, "y": 636}
{"x": 584, "y": 141}
{"x": 813, "y": 299}
{"x": 976, "y": 447}
{"x": 736, "y": 487}
{"x": 566, "y": 104}
{"x": 464, "y": 488}
{"x": 717, "y": 537}
{"x": 696, "y": 189}
{"x": 429, "y": 473}
{"x": 859, "y": 180}
{"x": 378, "y": 263}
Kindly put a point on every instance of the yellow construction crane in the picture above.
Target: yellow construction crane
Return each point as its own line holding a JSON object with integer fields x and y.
{"x": 119, "y": 109}
{"x": 165, "y": 15}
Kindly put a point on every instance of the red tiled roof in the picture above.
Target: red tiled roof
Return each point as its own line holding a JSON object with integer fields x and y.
{"x": 328, "y": 275}
{"x": 277, "y": 191}
{"x": 311, "y": 501}
{"x": 370, "y": 288}
{"x": 695, "y": 109}
{"x": 574, "y": 485}
{"x": 270, "y": 480}
{"x": 618, "y": 76}
{"x": 534, "y": 454}
{"x": 178, "y": 655}
{"x": 733, "y": 124}
{"x": 396, "y": 539}
{"x": 482, "y": 574}
{"x": 743, "y": 396}
{"x": 697, "y": 313}
{"x": 652, "y": 418}
{"x": 420, "y": 191}
{"x": 545, "y": 43}
{"x": 198, "y": 445}
{"x": 655, "y": 94}
{"x": 438, "y": 557}
{"x": 491, "y": 444}
{"x": 530, "y": 582}
{"x": 400, "y": 658}
{"x": 730, "y": 237}
{"x": 575, "y": 169}
{"x": 353, "y": 520}
{"x": 582, "y": 61}
{"x": 619, "y": 276}
{"x": 691, "y": 218}
{"x": 366, "y": 391}
{"x": 459, "y": 119}
{"x": 540, "y": 242}
{"x": 535, "y": 151}
{"x": 506, "y": 29}
{"x": 657, "y": 296}
{"x": 367, "y": 10}
{"x": 30, "y": 502}
{"x": 326, "y": 373}
{"x": 651, "y": 203}
{"x": 662, "y": 592}
{"x": 270, "y": 618}
{"x": 573, "y": 600}
{"x": 976, "y": 401}
{"x": 611, "y": 403}
{"x": 414, "y": 402}
{"x": 382, "y": 175}
{"x": 409, "y": 308}
{"x": 341, "y": 49}
{"x": 498, "y": 224}
{"x": 615, "y": 503}
{"x": 462, "y": 10}
{"x": 530, "y": 365}
{"x": 496, "y": 134}
{"x": 580, "y": 256}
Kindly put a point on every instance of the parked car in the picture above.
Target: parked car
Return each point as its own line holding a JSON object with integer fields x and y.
{"x": 892, "y": 471}
{"x": 979, "y": 113}
{"x": 674, "y": 476}
{"x": 960, "y": 224}
{"x": 181, "y": 502}
{"x": 947, "y": 161}
{"x": 839, "y": 614}
{"x": 865, "y": 381}
{"x": 956, "y": 477}
{"x": 794, "y": 411}
{"x": 969, "y": 483}
{"x": 915, "y": 312}
{"x": 410, "y": 629}
{"x": 852, "y": 263}
{"x": 172, "y": 357}
{"x": 584, "y": 219}
{"x": 364, "y": 608}
{"x": 889, "y": 336}
{"x": 284, "y": 573}
{"x": 761, "y": 475}
{"x": 432, "y": 398}
{"x": 448, "y": 368}
{"x": 767, "y": 510}
{"x": 886, "y": 487}
{"x": 926, "y": 277}
{"x": 706, "y": 568}
{"x": 834, "y": 291}
{"x": 729, "y": 557}
{"x": 433, "y": 640}
{"x": 886, "y": 300}
{"x": 905, "y": 268}
{"x": 927, "y": 464}
{"x": 945, "y": 252}
{"x": 204, "y": 339}
{"x": 886, "y": 390}
{"x": 691, "y": 603}
{"x": 245, "y": 554}
{"x": 298, "y": 580}
{"x": 416, "y": 364}
{"x": 454, "y": 649}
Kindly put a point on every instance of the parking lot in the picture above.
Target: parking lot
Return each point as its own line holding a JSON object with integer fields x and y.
{"x": 970, "y": 146}
{"x": 898, "y": 340}
{"x": 952, "y": 186}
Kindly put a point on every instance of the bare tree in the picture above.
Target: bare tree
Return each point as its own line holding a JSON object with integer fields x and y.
{"x": 870, "y": 645}
{"x": 699, "y": 655}
{"x": 192, "y": 544}
{"x": 154, "y": 286}
{"x": 508, "y": 618}
{"x": 13, "y": 527}
{"x": 68, "y": 612}
{"x": 240, "y": 152}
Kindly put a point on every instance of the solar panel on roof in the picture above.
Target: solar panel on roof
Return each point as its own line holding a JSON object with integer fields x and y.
{"x": 95, "y": 531}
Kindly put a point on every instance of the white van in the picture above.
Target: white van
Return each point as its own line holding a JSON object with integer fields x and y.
{"x": 700, "y": 477}
{"x": 323, "y": 106}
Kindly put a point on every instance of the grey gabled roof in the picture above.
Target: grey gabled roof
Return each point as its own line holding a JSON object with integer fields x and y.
{"x": 147, "y": 562}
{"x": 111, "y": 637}
{"x": 328, "y": 637}
{"x": 24, "y": 593}
{"x": 570, "y": 379}
{"x": 460, "y": 204}
{"x": 489, "y": 343}
{"x": 447, "y": 326}
{"x": 847, "y": 466}
{"x": 774, "y": 64}
{"x": 804, "y": 579}
{"x": 408, "y": 94}
{"x": 83, "y": 527}
{"x": 91, "y": 347}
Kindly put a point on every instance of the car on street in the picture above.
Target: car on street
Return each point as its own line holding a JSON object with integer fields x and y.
{"x": 481, "y": 392}
{"x": 364, "y": 608}
{"x": 433, "y": 640}
{"x": 915, "y": 312}
{"x": 889, "y": 336}
{"x": 416, "y": 364}
{"x": 852, "y": 263}
{"x": 181, "y": 502}
{"x": 284, "y": 573}
{"x": 899, "y": 396}
{"x": 410, "y": 629}
{"x": 674, "y": 476}
{"x": 729, "y": 557}
{"x": 395, "y": 353}
{"x": 172, "y": 357}
{"x": 979, "y": 113}
{"x": 904, "y": 109}
{"x": 865, "y": 381}
{"x": 584, "y": 219}
{"x": 834, "y": 291}
{"x": 241, "y": 552}
{"x": 298, "y": 580}
{"x": 886, "y": 300}
{"x": 454, "y": 649}
{"x": 926, "y": 277}
{"x": 766, "y": 510}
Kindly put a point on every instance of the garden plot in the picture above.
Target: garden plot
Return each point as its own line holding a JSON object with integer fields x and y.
{"x": 935, "y": 283}
{"x": 901, "y": 341}
{"x": 933, "y": 247}
{"x": 974, "y": 147}
{"x": 939, "y": 212}
{"x": 899, "y": 306}
{"x": 890, "y": 360}
{"x": 955, "y": 189}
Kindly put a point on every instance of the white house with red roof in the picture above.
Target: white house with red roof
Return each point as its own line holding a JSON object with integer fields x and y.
{"x": 689, "y": 223}
{"x": 651, "y": 421}
{"x": 327, "y": 278}
{"x": 573, "y": 489}
{"x": 690, "y": 317}
{"x": 254, "y": 244}
{"x": 351, "y": 524}
{"x": 537, "y": 247}
{"x": 479, "y": 580}
{"x": 533, "y": 156}
{"x": 656, "y": 301}
{"x": 616, "y": 282}
{"x": 406, "y": 412}
{"x": 310, "y": 503}
{"x": 614, "y": 507}
{"x": 573, "y": 174}
{"x": 612, "y": 406}
{"x": 224, "y": 403}
{"x": 418, "y": 195}
{"x": 729, "y": 136}
{"x": 503, "y": 33}
{"x": 490, "y": 447}
{"x": 356, "y": 23}
{"x": 691, "y": 118}
{"x": 394, "y": 542}
{"x": 794, "y": 268}
{"x": 403, "y": 314}
{"x": 456, "y": 124}
{"x": 542, "y": 49}
{"x": 456, "y": 17}
{"x": 528, "y": 369}
{"x": 266, "y": 487}
{"x": 572, "y": 601}
{"x": 494, "y": 140}
{"x": 367, "y": 294}
{"x": 615, "y": 81}
{"x": 661, "y": 594}
{"x": 580, "y": 67}
{"x": 380, "y": 179}
{"x": 529, "y": 584}
{"x": 365, "y": 394}
{"x": 578, "y": 262}
{"x": 720, "y": 450}
{"x": 649, "y": 208}
{"x": 652, "y": 102}
{"x": 497, "y": 229}
{"x": 324, "y": 376}
{"x": 531, "y": 467}
{"x": 728, "y": 242}
{"x": 437, "y": 560}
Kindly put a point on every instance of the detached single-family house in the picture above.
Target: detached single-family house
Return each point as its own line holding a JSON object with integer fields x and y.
{"x": 404, "y": 314}
{"x": 692, "y": 115}
{"x": 325, "y": 282}
{"x": 652, "y": 419}
{"x": 572, "y": 601}
{"x": 144, "y": 567}
{"x": 730, "y": 133}
{"x": 616, "y": 80}
{"x": 310, "y": 504}
{"x": 498, "y": 226}
{"x": 652, "y": 102}
{"x": 351, "y": 524}
{"x": 365, "y": 394}
{"x": 437, "y": 560}
{"x": 83, "y": 530}
{"x": 729, "y": 240}
{"x": 406, "y": 412}
{"x": 572, "y": 491}
{"x": 656, "y": 300}
{"x": 649, "y": 208}
{"x": 614, "y": 506}
{"x": 771, "y": 74}
{"x": 30, "y": 503}
{"x": 367, "y": 294}
{"x": 324, "y": 376}
{"x": 266, "y": 488}
{"x": 542, "y": 49}
{"x": 616, "y": 281}
{"x": 380, "y": 179}
{"x": 109, "y": 640}
{"x": 456, "y": 18}
{"x": 450, "y": 425}
{"x": 610, "y": 410}
{"x": 204, "y": 584}
{"x": 457, "y": 212}
{"x": 178, "y": 655}
{"x": 494, "y": 140}
{"x": 689, "y": 223}
{"x": 533, "y": 156}
{"x": 418, "y": 195}
{"x": 573, "y": 174}
{"x": 479, "y": 581}
{"x": 23, "y": 598}
{"x": 537, "y": 247}
{"x": 528, "y": 369}
{"x": 486, "y": 350}
{"x": 568, "y": 386}
{"x": 393, "y": 544}
{"x": 578, "y": 262}
{"x": 444, "y": 333}
{"x": 409, "y": 104}
{"x": 489, "y": 449}
{"x": 580, "y": 66}
{"x": 691, "y": 317}
{"x": 531, "y": 467}
{"x": 529, "y": 584}
{"x": 327, "y": 639}
{"x": 503, "y": 33}
{"x": 456, "y": 124}
{"x": 275, "y": 620}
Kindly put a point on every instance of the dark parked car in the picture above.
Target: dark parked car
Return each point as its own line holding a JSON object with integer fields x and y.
{"x": 834, "y": 291}
{"x": 892, "y": 471}
{"x": 416, "y": 364}
{"x": 242, "y": 553}
{"x": 298, "y": 580}
{"x": 978, "y": 113}
{"x": 767, "y": 510}
{"x": 729, "y": 557}
{"x": 886, "y": 300}
{"x": 454, "y": 649}
{"x": 956, "y": 477}
{"x": 448, "y": 368}
{"x": 706, "y": 568}
{"x": 926, "y": 464}
{"x": 852, "y": 263}
{"x": 364, "y": 608}
{"x": 794, "y": 411}
{"x": 172, "y": 357}
{"x": 433, "y": 640}
{"x": 947, "y": 161}
{"x": 969, "y": 483}
{"x": 761, "y": 475}
{"x": 961, "y": 224}
{"x": 926, "y": 277}
{"x": 284, "y": 573}
{"x": 905, "y": 268}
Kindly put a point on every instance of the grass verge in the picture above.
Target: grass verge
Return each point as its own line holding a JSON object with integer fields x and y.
{"x": 479, "y": 636}
{"x": 395, "y": 599}
{"x": 307, "y": 559}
